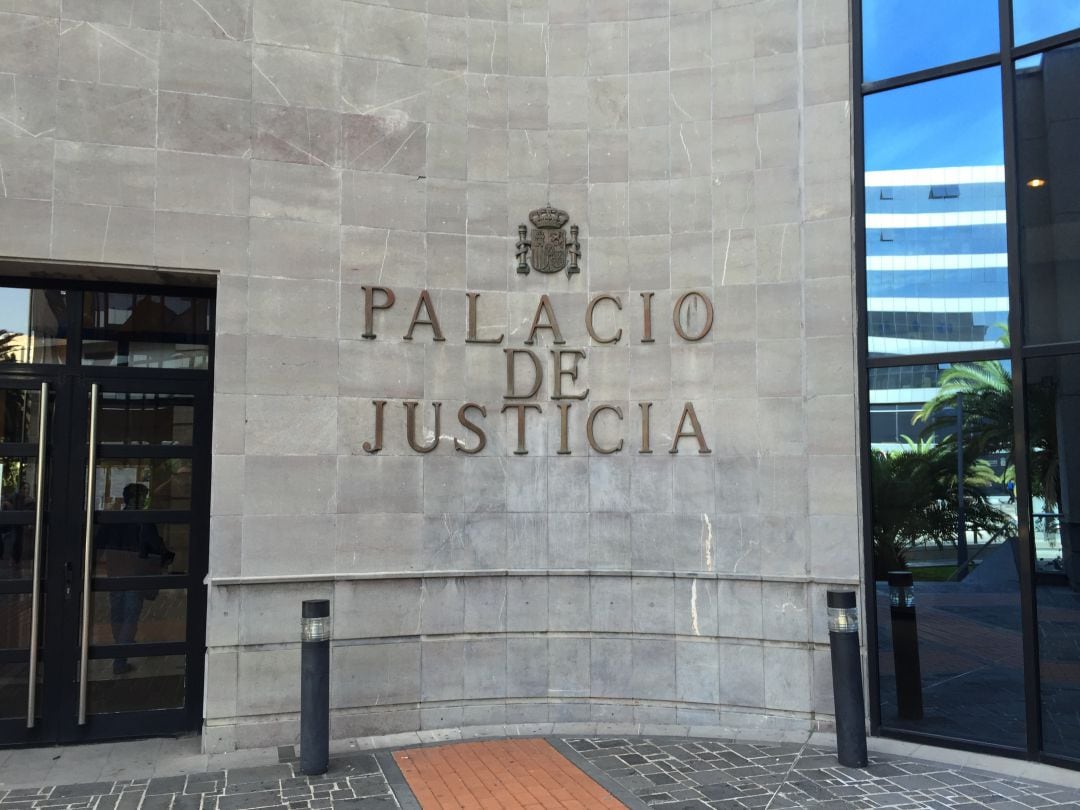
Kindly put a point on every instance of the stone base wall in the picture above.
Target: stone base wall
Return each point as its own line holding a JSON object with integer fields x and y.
{"x": 509, "y": 648}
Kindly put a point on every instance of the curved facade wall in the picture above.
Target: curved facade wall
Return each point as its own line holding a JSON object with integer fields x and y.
{"x": 307, "y": 151}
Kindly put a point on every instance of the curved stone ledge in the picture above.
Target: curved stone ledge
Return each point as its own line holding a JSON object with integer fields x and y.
{"x": 280, "y": 579}
{"x": 417, "y": 724}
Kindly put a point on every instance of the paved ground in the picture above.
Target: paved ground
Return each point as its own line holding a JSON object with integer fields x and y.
{"x": 662, "y": 772}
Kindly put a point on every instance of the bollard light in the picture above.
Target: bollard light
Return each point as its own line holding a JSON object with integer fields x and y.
{"x": 315, "y": 686}
{"x": 905, "y": 645}
{"x": 843, "y": 619}
{"x": 315, "y": 628}
{"x": 847, "y": 679}
{"x": 901, "y": 589}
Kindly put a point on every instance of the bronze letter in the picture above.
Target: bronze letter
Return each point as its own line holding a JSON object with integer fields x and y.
{"x": 708, "y": 315}
{"x": 645, "y": 408}
{"x": 564, "y": 410}
{"x": 380, "y": 407}
{"x": 431, "y": 320}
{"x": 589, "y": 429}
{"x": 695, "y": 431}
{"x": 511, "y": 363}
{"x": 410, "y": 427}
{"x": 646, "y": 327}
{"x": 470, "y": 336}
{"x": 544, "y": 308}
{"x": 475, "y": 428}
{"x": 572, "y": 372}
{"x": 521, "y": 407}
{"x": 589, "y": 316}
{"x": 370, "y": 306}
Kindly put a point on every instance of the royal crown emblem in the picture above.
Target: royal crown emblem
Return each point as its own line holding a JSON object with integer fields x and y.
{"x": 551, "y": 251}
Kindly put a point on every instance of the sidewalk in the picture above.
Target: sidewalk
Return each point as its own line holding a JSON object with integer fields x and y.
{"x": 668, "y": 773}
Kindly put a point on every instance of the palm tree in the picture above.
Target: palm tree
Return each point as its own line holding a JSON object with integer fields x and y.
{"x": 8, "y": 345}
{"x": 984, "y": 390}
{"x": 915, "y": 499}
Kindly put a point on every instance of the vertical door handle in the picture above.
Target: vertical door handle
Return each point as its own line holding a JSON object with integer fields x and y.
{"x": 39, "y": 514}
{"x": 88, "y": 555}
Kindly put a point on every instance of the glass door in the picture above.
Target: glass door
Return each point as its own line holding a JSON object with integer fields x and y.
{"x": 105, "y": 422}
{"x": 141, "y": 601}
{"x": 27, "y": 420}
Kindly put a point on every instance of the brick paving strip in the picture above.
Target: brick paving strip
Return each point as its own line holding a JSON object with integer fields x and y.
{"x": 511, "y": 774}
{"x": 665, "y": 773}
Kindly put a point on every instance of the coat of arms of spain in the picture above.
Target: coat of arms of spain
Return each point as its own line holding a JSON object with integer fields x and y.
{"x": 551, "y": 250}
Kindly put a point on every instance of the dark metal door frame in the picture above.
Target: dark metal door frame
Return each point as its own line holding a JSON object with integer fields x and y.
{"x": 64, "y": 534}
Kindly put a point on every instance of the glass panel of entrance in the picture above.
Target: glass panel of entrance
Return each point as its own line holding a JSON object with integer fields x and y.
{"x": 1052, "y": 399}
{"x": 33, "y": 326}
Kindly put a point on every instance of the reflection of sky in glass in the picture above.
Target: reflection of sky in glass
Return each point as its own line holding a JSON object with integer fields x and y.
{"x": 947, "y": 122}
{"x": 902, "y": 36}
{"x": 1036, "y": 19}
{"x": 14, "y": 309}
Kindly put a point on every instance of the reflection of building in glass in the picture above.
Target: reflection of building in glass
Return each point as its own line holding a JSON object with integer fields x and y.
{"x": 1048, "y": 109}
{"x": 1049, "y": 126}
{"x": 936, "y": 259}
{"x": 937, "y": 280}
{"x": 34, "y": 327}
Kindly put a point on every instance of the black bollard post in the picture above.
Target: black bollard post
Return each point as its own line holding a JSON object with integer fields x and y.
{"x": 905, "y": 643}
{"x": 315, "y": 687}
{"x": 847, "y": 679}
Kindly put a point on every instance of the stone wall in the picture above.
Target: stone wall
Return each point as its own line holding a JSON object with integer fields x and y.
{"x": 305, "y": 149}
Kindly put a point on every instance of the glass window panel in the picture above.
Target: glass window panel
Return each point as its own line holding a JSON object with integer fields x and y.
{"x": 143, "y": 483}
{"x": 20, "y": 411}
{"x": 1037, "y": 19}
{"x": 1052, "y": 399}
{"x": 956, "y": 535}
{"x": 18, "y": 484}
{"x": 145, "y": 331}
{"x": 139, "y": 617}
{"x": 141, "y": 549}
{"x": 936, "y": 250}
{"x": 15, "y": 621}
{"x": 33, "y": 326}
{"x": 14, "y": 683}
{"x": 18, "y": 493}
{"x": 1048, "y": 131}
{"x": 135, "y": 684}
{"x": 902, "y": 36}
{"x": 142, "y": 418}
{"x": 17, "y": 551}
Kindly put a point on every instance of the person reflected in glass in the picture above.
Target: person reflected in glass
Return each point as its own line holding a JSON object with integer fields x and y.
{"x": 12, "y": 546}
{"x": 131, "y": 550}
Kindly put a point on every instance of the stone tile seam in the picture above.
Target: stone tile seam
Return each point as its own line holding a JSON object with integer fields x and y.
{"x": 234, "y": 581}
{"x": 467, "y": 17}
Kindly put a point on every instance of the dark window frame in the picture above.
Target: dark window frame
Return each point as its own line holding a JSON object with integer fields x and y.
{"x": 1017, "y": 353}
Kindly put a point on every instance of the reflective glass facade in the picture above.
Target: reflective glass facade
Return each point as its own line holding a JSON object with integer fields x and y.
{"x": 970, "y": 273}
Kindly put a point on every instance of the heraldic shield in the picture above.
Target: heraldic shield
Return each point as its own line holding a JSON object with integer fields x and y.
{"x": 551, "y": 250}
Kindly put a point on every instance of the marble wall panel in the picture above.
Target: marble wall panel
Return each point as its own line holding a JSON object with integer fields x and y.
{"x": 305, "y": 151}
